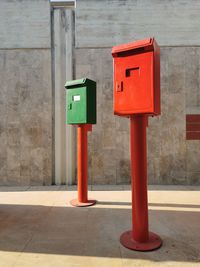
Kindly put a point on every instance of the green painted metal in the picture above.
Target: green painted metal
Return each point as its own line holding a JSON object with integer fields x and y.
{"x": 74, "y": 83}
{"x": 81, "y": 101}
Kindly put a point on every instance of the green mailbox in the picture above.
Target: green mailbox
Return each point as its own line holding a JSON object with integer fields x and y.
{"x": 81, "y": 101}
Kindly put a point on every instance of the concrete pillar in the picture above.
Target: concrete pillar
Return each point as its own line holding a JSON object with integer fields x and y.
{"x": 62, "y": 70}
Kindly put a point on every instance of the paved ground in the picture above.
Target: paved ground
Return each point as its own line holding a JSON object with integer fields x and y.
{"x": 39, "y": 228}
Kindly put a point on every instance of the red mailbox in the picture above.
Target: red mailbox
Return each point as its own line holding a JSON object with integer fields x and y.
{"x": 137, "y": 78}
{"x": 137, "y": 95}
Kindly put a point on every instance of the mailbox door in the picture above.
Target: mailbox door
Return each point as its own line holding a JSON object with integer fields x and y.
{"x": 133, "y": 90}
{"x": 76, "y": 106}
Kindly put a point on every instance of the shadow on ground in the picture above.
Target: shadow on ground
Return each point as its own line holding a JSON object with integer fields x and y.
{"x": 150, "y": 204}
{"x": 95, "y": 231}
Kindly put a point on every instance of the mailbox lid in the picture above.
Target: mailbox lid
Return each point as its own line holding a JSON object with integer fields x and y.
{"x": 83, "y": 82}
{"x": 140, "y": 46}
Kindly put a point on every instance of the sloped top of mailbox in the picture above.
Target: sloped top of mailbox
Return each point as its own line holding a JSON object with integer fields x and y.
{"x": 79, "y": 83}
{"x": 139, "y": 46}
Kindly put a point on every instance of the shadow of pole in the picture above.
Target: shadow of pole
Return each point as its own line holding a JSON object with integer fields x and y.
{"x": 95, "y": 231}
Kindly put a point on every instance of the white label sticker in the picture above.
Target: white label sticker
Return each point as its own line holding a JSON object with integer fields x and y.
{"x": 76, "y": 97}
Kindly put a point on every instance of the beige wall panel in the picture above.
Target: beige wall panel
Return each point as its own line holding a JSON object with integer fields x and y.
{"x": 109, "y": 22}
{"x": 24, "y": 24}
{"x": 171, "y": 158}
{"x": 25, "y": 117}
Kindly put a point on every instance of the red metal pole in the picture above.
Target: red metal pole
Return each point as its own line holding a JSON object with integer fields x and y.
{"x": 139, "y": 238}
{"x": 138, "y": 126}
{"x": 82, "y": 159}
{"x": 82, "y": 167}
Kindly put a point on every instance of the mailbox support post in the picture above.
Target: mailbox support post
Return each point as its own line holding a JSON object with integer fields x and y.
{"x": 82, "y": 168}
{"x": 139, "y": 238}
{"x": 138, "y": 126}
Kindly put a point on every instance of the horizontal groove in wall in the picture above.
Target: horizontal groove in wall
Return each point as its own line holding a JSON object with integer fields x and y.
{"x": 89, "y": 47}
{"x": 23, "y": 48}
{"x": 110, "y": 47}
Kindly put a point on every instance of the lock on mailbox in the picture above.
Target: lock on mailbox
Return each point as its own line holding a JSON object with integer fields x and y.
{"x": 137, "y": 78}
{"x": 81, "y": 101}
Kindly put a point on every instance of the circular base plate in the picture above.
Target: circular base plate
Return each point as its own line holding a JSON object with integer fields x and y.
{"x": 75, "y": 203}
{"x": 127, "y": 241}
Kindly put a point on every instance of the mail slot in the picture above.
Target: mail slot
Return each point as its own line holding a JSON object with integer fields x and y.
{"x": 81, "y": 101}
{"x": 137, "y": 78}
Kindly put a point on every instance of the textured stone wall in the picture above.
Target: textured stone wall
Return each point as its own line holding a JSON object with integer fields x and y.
{"x": 109, "y": 141}
{"x": 25, "y": 93}
{"x": 171, "y": 158}
{"x": 24, "y": 24}
{"x": 100, "y": 24}
{"x": 25, "y": 118}
{"x": 109, "y": 22}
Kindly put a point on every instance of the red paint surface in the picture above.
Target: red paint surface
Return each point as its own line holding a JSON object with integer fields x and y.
{"x": 140, "y": 230}
{"x": 137, "y": 78}
{"x": 193, "y": 118}
{"x": 193, "y": 135}
{"x": 193, "y": 127}
{"x": 146, "y": 43}
{"x": 82, "y": 159}
{"x": 137, "y": 95}
{"x": 82, "y": 167}
{"x": 139, "y": 238}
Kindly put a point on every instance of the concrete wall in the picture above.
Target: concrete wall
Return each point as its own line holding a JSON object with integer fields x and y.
{"x": 101, "y": 24}
{"x": 25, "y": 93}
{"x": 26, "y": 111}
{"x": 109, "y": 22}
